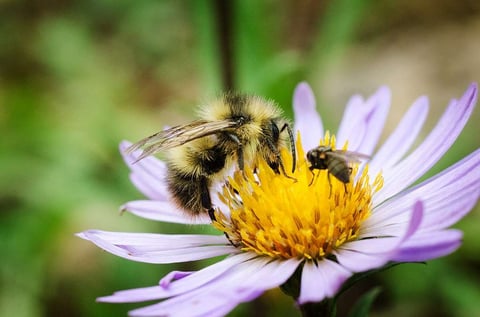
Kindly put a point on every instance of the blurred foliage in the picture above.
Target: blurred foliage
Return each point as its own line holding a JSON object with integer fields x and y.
{"x": 76, "y": 77}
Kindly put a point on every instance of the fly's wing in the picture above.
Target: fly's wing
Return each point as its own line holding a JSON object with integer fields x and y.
{"x": 178, "y": 135}
{"x": 349, "y": 156}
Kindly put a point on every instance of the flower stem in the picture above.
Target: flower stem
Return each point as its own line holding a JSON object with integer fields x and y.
{"x": 325, "y": 308}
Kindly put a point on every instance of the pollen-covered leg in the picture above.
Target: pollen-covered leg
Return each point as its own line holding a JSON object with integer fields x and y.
{"x": 276, "y": 164}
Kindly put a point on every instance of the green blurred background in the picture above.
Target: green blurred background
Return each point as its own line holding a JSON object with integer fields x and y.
{"x": 77, "y": 77}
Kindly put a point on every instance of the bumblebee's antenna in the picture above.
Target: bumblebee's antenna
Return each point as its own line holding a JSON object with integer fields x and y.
{"x": 292, "y": 145}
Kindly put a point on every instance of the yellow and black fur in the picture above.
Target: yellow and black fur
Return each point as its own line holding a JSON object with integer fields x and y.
{"x": 234, "y": 130}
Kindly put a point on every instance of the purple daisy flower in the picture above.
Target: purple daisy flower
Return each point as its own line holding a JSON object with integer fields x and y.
{"x": 311, "y": 223}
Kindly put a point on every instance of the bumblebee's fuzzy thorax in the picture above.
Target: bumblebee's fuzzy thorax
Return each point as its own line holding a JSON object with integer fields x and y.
{"x": 253, "y": 109}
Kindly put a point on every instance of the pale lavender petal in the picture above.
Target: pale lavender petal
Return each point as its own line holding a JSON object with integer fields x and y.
{"x": 148, "y": 175}
{"x": 442, "y": 218}
{"x": 430, "y": 245}
{"x": 245, "y": 271}
{"x": 149, "y": 186}
{"x": 362, "y": 119}
{"x": 163, "y": 211}
{"x": 458, "y": 185}
{"x": 167, "y": 256}
{"x": 387, "y": 241}
{"x": 372, "y": 245}
{"x": 312, "y": 286}
{"x": 357, "y": 261}
{"x": 441, "y": 211}
{"x": 234, "y": 267}
{"x": 403, "y": 225}
{"x": 211, "y": 301}
{"x": 174, "y": 276}
{"x": 367, "y": 254}
{"x": 252, "y": 272}
{"x": 273, "y": 274}
{"x": 222, "y": 309}
{"x": 352, "y": 127}
{"x": 307, "y": 119}
{"x": 228, "y": 290}
{"x": 321, "y": 280}
{"x": 432, "y": 149}
{"x": 415, "y": 220}
{"x": 229, "y": 303}
{"x": 375, "y": 120}
{"x": 155, "y": 240}
{"x": 149, "y": 165}
{"x": 195, "y": 280}
{"x": 400, "y": 141}
{"x": 393, "y": 228}
{"x": 465, "y": 171}
{"x": 180, "y": 250}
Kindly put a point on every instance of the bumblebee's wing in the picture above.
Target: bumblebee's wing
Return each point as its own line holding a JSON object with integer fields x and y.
{"x": 349, "y": 156}
{"x": 179, "y": 135}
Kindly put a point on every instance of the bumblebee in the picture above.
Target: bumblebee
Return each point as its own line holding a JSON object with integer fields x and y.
{"x": 233, "y": 131}
{"x": 336, "y": 162}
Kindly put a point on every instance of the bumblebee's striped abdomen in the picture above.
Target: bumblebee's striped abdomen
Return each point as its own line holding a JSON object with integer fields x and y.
{"x": 191, "y": 172}
{"x": 190, "y": 192}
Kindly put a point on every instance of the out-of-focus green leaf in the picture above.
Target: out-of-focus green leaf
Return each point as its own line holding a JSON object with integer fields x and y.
{"x": 363, "y": 305}
{"x": 336, "y": 30}
{"x": 251, "y": 46}
{"x": 208, "y": 46}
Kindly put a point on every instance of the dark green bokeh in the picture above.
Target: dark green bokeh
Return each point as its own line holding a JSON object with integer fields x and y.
{"x": 77, "y": 77}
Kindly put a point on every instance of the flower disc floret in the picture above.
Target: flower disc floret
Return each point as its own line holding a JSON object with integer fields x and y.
{"x": 304, "y": 215}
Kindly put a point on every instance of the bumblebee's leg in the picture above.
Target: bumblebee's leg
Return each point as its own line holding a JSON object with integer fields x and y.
{"x": 277, "y": 165}
{"x": 292, "y": 145}
{"x": 234, "y": 138}
{"x": 280, "y": 164}
{"x": 205, "y": 196}
{"x": 271, "y": 143}
{"x": 207, "y": 204}
{"x": 241, "y": 163}
{"x": 282, "y": 167}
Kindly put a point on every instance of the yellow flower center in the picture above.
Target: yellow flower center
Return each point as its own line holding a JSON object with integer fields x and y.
{"x": 305, "y": 215}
